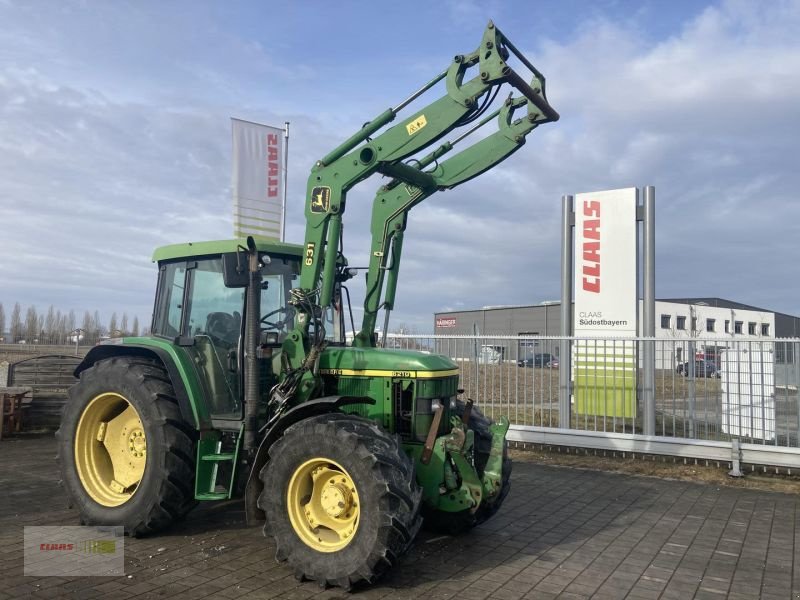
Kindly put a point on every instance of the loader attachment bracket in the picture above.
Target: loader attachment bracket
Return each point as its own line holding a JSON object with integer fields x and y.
{"x": 535, "y": 92}
{"x": 493, "y": 472}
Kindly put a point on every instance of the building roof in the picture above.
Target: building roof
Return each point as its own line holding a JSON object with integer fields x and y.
{"x": 716, "y": 302}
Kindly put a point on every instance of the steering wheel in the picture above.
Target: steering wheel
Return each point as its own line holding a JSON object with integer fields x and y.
{"x": 280, "y": 324}
{"x": 224, "y": 327}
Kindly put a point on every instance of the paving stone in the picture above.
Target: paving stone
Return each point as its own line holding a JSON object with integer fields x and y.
{"x": 562, "y": 533}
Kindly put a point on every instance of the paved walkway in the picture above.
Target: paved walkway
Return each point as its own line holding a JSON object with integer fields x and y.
{"x": 563, "y": 533}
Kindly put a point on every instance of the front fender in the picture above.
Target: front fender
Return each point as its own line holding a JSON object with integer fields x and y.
{"x": 327, "y": 404}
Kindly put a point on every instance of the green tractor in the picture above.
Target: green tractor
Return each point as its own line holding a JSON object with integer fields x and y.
{"x": 246, "y": 388}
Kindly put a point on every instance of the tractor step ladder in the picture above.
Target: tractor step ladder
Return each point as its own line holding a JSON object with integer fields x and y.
{"x": 209, "y": 457}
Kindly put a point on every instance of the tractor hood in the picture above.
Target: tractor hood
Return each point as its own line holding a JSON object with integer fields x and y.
{"x": 385, "y": 362}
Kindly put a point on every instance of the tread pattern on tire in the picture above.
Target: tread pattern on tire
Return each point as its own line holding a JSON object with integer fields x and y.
{"x": 453, "y": 523}
{"x": 388, "y": 481}
{"x": 169, "y": 475}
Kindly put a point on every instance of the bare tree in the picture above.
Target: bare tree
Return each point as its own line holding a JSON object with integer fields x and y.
{"x": 72, "y": 322}
{"x": 31, "y": 324}
{"x": 123, "y": 325}
{"x": 61, "y": 328}
{"x": 2, "y": 320}
{"x": 87, "y": 325}
{"x": 135, "y": 330}
{"x": 112, "y": 325}
{"x": 16, "y": 323}
{"x": 97, "y": 327}
{"x": 51, "y": 323}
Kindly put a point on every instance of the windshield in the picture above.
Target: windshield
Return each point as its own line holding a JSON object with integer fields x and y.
{"x": 278, "y": 279}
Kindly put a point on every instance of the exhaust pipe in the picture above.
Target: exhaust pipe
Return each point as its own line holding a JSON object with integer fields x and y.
{"x": 251, "y": 341}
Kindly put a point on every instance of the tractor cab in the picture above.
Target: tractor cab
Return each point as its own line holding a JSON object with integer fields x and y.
{"x": 201, "y": 306}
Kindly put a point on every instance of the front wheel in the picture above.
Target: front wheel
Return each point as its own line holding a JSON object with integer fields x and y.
{"x": 340, "y": 498}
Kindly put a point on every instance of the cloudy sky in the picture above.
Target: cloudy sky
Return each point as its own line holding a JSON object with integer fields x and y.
{"x": 115, "y": 139}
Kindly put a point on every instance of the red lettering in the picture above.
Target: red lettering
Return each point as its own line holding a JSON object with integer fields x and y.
{"x": 591, "y": 249}
{"x": 273, "y": 172}
{"x": 591, "y": 229}
{"x": 591, "y": 252}
{"x": 592, "y": 285}
{"x": 51, "y": 547}
{"x": 592, "y": 270}
{"x": 591, "y": 208}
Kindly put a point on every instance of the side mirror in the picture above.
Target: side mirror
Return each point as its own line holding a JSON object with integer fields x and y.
{"x": 234, "y": 270}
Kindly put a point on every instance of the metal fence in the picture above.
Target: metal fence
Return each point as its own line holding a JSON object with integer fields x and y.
{"x": 707, "y": 392}
{"x": 742, "y": 390}
{"x": 76, "y": 343}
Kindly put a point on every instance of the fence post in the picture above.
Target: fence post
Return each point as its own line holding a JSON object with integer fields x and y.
{"x": 476, "y": 358}
{"x": 736, "y": 459}
{"x": 565, "y": 351}
{"x": 649, "y": 312}
{"x": 691, "y": 385}
{"x": 794, "y": 347}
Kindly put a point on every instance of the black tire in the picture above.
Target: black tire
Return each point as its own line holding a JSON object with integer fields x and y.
{"x": 388, "y": 494}
{"x": 453, "y": 523}
{"x": 165, "y": 492}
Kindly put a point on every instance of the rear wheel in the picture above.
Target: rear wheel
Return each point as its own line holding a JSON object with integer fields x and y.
{"x": 120, "y": 408}
{"x": 458, "y": 522}
{"x": 340, "y": 498}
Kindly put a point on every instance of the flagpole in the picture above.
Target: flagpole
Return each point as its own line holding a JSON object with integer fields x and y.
{"x": 285, "y": 179}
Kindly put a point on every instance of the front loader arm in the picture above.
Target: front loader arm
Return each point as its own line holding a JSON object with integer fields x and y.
{"x": 360, "y": 156}
{"x": 394, "y": 201}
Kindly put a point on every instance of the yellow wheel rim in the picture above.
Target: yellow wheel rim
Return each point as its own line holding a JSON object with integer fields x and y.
{"x": 323, "y": 505}
{"x": 110, "y": 449}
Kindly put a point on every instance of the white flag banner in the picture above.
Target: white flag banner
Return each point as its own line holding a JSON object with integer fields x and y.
{"x": 258, "y": 180}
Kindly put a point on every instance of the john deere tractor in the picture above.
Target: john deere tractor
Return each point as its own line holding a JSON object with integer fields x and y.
{"x": 246, "y": 386}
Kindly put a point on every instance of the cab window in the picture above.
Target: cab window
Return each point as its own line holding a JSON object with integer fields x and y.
{"x": 169, "y": 303}
{"x": 213, "y": 309}
{"x": 278, "y": 279}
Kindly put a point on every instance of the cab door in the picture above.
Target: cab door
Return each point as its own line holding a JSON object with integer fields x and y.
{"x": 213, "y": 322}
{"x": 205, "y": 318}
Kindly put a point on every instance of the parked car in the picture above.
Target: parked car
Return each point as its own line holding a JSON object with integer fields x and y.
{"x": 702, "y": 368}
{"x": 539, "y": 360}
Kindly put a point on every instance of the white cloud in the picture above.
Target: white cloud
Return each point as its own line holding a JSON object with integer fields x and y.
{"x": 106, "y": 153}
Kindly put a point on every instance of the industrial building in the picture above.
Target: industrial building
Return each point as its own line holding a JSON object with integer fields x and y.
{"x": 710, "y": 322}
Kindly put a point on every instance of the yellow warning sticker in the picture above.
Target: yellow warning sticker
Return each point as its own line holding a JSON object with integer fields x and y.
{"x": 416, "y": 125}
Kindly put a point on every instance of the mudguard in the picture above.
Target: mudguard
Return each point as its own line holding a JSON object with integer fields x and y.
{"x": 198, "y": 419}
{"x": 302, "y": 411}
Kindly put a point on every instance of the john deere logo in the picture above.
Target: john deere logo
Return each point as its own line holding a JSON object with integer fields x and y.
{"x": 320, "y": 199}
